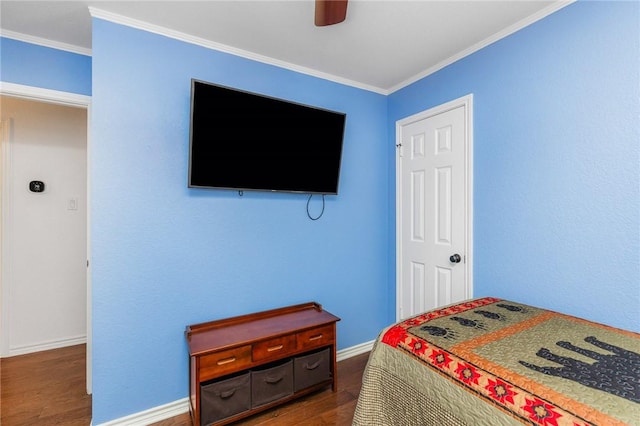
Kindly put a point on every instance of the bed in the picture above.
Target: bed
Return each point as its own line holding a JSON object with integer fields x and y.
{"x": 489, "y": 361}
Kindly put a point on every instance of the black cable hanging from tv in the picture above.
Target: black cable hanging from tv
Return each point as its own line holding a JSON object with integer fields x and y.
{"x": 321, "y": 212}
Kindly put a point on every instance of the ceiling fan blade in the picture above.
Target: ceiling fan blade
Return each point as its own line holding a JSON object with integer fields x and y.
{"x": 329, "y": 12}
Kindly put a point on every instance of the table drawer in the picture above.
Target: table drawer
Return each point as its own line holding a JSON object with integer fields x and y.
{"x": 274, "y": 348}
{"x": 272, "y": 382}
{"x": 311, "y": 369}
{"x": 316, "y": 337}
{"x": 224, "y": 398}
{"x": 224, "y": 362}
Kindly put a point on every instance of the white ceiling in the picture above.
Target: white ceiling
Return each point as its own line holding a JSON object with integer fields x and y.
{"x": 381, "y": 46}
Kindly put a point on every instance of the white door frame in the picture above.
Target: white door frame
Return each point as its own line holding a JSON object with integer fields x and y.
{"x": 467, "y": 103}
{"x": 59, "y": 98}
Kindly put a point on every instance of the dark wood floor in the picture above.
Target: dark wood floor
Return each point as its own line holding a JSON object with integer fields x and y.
{"x": 48, "y": 388}
{"x": 45, "y": 388}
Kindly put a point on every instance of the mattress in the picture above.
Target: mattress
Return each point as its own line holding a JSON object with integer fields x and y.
{"x": 489, "y": 361}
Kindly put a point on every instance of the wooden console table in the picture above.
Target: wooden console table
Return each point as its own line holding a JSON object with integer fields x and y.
{"x": 246, "y": 364}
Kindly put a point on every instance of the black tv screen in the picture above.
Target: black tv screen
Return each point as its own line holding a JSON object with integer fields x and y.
{"x": 245, "y": 141}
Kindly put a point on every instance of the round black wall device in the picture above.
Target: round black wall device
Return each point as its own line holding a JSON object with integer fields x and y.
{"x": 36, "y": 186}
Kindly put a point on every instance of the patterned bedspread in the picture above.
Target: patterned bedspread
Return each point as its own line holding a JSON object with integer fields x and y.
{"x": 494, "y": 362}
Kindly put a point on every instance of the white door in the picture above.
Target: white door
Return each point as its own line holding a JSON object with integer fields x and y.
{"x": 434, "y": 211}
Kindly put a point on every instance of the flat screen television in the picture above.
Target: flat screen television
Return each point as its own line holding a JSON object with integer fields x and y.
{"x": 246, "y": 141}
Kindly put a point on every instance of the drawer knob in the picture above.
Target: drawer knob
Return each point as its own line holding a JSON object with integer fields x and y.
{"x": 226, "y": 360}
{"x": 274, "y": 348}
{"x": 227, "y": 394}
{"x": 273, "y": 380}
{"x": 312, "y": 366}
{"x": 316, "y": 337}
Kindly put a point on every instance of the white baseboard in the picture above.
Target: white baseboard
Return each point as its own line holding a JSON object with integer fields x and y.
{"x": 181, "y": 406}
{"x": 45, "y": 346}
{"x": 354, "y": 350}
{"x": 152, "y": 415}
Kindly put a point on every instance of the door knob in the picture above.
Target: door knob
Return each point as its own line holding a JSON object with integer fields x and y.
{"x": 455, "y": 258}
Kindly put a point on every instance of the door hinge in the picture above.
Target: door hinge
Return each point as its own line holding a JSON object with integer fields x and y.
{"x": 399, "y": 147}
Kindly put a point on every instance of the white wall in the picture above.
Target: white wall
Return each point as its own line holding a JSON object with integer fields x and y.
{"x": 44, "y": 286}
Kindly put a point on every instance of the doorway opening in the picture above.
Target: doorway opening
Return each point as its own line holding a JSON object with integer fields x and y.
{"x": 45, "y": 280}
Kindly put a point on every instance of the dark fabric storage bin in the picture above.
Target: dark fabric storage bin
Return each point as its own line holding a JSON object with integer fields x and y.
{"x": 270, "y": 383}
{"x": 311, "y": 369}
{"x": 224, "y": 398}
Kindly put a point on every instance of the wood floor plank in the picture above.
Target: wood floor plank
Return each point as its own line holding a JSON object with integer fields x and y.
{"x": 45, "y": 388}
{"x": 49, "y": 388}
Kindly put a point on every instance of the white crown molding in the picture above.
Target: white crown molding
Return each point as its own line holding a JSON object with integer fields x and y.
{"x": 44, "y": 95}
{"x": 177, "y": 35}
{"x": 45, "y": 42}
{"x": 156, "y": 29}
{"x": 484, "y": 43}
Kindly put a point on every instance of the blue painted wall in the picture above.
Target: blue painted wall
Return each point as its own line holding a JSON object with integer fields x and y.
{"x": 37, "y": 66}
{"x": 165, "y": 256}
{"x": 557, "y": 160}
